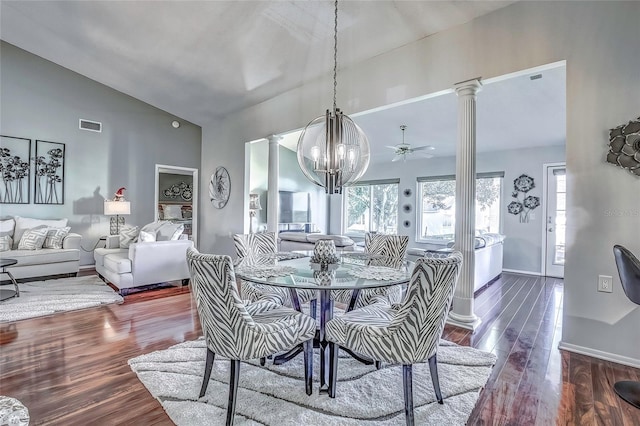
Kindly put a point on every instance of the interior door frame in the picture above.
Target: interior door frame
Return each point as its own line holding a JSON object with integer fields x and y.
{"x": 179, "y": 170}
{"x": 545, "y": 195}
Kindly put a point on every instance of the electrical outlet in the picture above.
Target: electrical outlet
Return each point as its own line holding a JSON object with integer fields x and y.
{"x": 605, "y": 283}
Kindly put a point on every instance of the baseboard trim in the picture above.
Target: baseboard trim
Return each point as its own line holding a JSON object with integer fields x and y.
{"x": 517, "y": 271}
{"x": 595, "y": 353}
{"x": 83, "y": 267}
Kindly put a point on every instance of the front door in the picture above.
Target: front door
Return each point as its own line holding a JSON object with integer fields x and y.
{"x": 555, "y": 220}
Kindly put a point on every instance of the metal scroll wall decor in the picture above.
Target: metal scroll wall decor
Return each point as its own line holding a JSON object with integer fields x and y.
{"x": 183, "y": 190}
{"x": 523, "y": 203}
{"x": 220, "y": 187}
{"x": 624, "y": 146}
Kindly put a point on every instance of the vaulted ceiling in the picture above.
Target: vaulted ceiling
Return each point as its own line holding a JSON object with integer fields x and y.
{"x": 204, "y": 59}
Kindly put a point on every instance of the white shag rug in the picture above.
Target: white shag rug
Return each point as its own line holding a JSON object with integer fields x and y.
{"x": 275, "y": 395}
{"x": 39, "y": 298}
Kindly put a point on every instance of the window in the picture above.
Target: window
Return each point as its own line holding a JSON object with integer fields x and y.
{"x": 371, "y": 206}
{"x": 437, "y": 206}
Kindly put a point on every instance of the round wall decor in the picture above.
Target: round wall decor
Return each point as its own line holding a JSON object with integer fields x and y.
{"x": 407, "y": 192}
{"x": 220, "y": 187}
{"x": 406, "y": 223}
{"x": 406, "y": 208}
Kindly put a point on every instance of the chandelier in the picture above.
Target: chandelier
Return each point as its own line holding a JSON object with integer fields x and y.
{"x": 332, "y": 150}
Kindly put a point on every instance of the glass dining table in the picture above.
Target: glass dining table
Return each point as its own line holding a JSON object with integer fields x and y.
{"x": 353, "y": 272}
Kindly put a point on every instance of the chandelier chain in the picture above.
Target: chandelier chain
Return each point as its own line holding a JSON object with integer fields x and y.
{"x": 335, "y": 55}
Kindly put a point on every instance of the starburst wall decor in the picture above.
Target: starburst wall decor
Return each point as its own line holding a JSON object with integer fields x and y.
{"x": 624, "y": 147}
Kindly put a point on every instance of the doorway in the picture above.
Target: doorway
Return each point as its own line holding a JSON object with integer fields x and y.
{"x": 176, "y": 197}
{"x": 555, "y": 193}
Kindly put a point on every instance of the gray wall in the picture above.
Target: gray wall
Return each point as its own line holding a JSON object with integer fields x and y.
{"x": 41, "y": 100}
{"x": 598, "y": 41}
{"x": 523, "y": 243}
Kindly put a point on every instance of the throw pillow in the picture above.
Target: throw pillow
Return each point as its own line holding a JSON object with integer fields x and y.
{"x": 55, "y": 236}
{"x": 169, "y": 231}
{"x": 6, "y": 242}
{"x": 24, "y": 223}
{"x": 171, "y": 211}
{"x": 146, "y": 237}
{"x": 6, "y": 227}
{"x": 32, "y": 239}
{"x": 127, "y": 236}
{"x": 152, "y": 227}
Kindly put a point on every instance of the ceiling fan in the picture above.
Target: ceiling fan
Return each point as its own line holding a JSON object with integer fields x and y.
{"x": 403, "y": 149}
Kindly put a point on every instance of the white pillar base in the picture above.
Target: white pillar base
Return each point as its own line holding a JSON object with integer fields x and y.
{"x": 463, "y": 321}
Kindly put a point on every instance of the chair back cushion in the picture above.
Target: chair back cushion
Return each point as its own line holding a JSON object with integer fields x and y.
{"x": 421, "y": 317}
{"x": 386, "y": 245}
{"x": 223, "y": 315}
{"x": 253, "y": 245}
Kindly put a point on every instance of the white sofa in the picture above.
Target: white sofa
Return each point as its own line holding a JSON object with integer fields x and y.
{"x": 290, "y": 241}
{"x": 142, "y": 263}
{"x": 488, "y": 259}
{"x": 44, "y": 261}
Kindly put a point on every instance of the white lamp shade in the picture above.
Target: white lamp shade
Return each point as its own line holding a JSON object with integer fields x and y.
{"x": 117, "y": 207}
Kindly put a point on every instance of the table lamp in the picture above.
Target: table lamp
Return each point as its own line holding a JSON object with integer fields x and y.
{"x": 117, "y": 209}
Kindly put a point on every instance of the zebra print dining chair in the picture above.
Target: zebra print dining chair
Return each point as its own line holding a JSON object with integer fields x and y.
{"x": 252, "y": 248}
{"x": 405, "y": 333}
{"x": 394, "y": 249}
{"x": 238, "y": 331}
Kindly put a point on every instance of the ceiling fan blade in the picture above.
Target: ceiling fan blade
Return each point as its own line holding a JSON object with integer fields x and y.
{"x": 391, "y": 147}
{"x": 425, "y": 155}
{"x": 421, "y": 148}
{"x": 396, "y": 158}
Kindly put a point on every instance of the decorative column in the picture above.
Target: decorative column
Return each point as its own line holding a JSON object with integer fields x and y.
{"x": 272, "y": 183}
{"x": 462, "y": 314}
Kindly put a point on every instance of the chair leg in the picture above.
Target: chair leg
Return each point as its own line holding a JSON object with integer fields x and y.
{"x": 233, "y": 390}
{"x": 308, "y": 366}
{"x": 312, "y": 308}
{"x": 263, "y": 361}
{"x": 333, "y": 369}
{"x": 207, "y": 372}
{"x": 378, "y": 365}
{"x": 433, "y": 367}
{"x": 407, "y": 380}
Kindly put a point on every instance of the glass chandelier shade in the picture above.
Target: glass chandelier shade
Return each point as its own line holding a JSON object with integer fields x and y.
{"x": 332, "y": 150}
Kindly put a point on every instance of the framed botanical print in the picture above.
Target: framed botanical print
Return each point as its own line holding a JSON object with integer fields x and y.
{"x": 49, "y": 173}
{"x": 15, "y": 170}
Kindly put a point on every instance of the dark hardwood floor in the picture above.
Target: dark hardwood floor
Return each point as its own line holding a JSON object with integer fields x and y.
{"x": 71, "y": 368}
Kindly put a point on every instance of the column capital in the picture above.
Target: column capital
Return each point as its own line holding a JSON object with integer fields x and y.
{"x": 469, "y": 87}
{"x": 274, "y": 138}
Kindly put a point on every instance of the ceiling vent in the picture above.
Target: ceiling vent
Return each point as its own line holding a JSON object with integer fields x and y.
{"x": 92, "y": 126}
{"x": 535, "y": 77}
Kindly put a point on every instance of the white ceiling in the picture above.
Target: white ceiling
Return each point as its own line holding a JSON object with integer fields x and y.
{"x": 204, "y": 59}
{"x": 512, "y": 113}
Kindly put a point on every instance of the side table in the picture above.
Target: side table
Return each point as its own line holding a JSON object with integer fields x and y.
{"x": 8, "y": 294}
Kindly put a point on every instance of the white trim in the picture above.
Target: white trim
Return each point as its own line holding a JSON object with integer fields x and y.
{"x": 518, "y": 271}
{"x": 194, "y": 200}
{"x": 543, "y": 206}
{"x": 91, "y": 266}
{"x": 595, "y": 353}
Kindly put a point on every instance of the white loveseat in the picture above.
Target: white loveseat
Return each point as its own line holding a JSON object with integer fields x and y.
{"x": 289, "y": 241}
{"x": 42, "y": 261}
{"x": 488, "y": 258}
{"x": 142, "y": 263}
